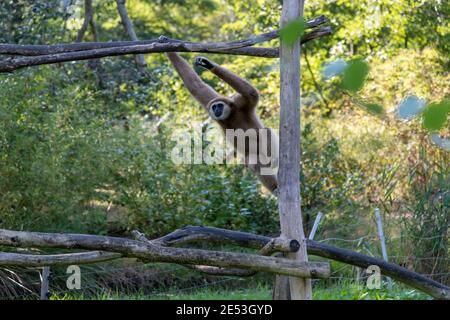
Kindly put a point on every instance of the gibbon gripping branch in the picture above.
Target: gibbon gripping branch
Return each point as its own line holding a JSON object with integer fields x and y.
{"x": 291, "y": 244}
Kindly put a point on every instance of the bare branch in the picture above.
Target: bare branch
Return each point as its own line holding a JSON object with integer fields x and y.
{"x": 88, "y": 18}
{"x": 153, "y": 253}
{"x": 189, "y": 234}
{"x": 94, "y": 64}
{"x": 135, "y": 47}
{"x": 217, "y": 271}
{"x": 280, "y": 245}
{"x": 128, "y": 25}
{"x": 32, "y": 260}
{"x": 42, "y": 49}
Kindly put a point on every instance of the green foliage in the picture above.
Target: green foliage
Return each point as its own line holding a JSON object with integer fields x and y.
{"x": 293, "y": 31}
{"x": 435, "y": 115}
{"x": 355, "y": 75}
{"x": 374, "y": 108}
{"x": 427, "y": 214}
{"x": 85, "y": 154}
{"x": 324, "y": 181}
{"x": 341, "y": 291}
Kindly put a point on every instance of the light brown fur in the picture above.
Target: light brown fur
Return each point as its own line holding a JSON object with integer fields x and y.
{"x": 243, "y": 106}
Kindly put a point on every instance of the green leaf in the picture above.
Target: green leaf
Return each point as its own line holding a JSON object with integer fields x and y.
{"x": 435, "y": 115}
{"x": 292, "y": 32}
{"x": 355, "y": 75}
{"x": 374, "y": 108}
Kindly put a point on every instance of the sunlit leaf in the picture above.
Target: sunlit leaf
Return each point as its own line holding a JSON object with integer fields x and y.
{"x": 374, "y": 108}
{"x": 355, "y": 75}
{"x": 435, "y": 115}
{"x": 334, "y": 68}
{"x": 292, "y": 32}
{"x": 442, "y": 143}
{"x": 410, "y": 107}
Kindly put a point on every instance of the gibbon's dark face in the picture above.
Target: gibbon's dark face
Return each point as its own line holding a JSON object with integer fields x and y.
{"x": 219, "y": 110}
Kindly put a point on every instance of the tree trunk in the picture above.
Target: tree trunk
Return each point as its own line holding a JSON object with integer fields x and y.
{"x": 289, "y": 170}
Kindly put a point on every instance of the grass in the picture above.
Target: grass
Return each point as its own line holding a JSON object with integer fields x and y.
{"x": 345, "y": 291}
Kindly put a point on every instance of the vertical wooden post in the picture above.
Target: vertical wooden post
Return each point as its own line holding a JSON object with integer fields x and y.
{"x": 45, "y": 283}
{"x": 382, "y": 240}
{"x": 381, "y": 234}
{"x": 315, "y": 226}
{"x": 289, "y": 169}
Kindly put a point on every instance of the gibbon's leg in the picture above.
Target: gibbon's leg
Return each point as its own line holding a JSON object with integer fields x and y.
{"x": 268, "y": 180}
{"x": 198, "y": 89}
{"x": 242, "y": 86}
{"x": 267, "y": 164}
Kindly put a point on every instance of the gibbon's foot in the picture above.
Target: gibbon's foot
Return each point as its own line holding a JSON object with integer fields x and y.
{"x": 204, "y": 63}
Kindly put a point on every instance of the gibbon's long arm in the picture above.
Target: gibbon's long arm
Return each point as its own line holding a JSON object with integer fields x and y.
{"x": 246, "y": 91}
{"x": 242, "y": 86}
{"x": 202, "y": 92}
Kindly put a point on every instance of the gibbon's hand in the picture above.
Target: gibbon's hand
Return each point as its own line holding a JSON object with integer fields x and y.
{"x": 163, "y": 39}
{"x": 204, "y": 63}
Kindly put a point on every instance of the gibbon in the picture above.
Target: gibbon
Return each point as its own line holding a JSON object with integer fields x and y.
{"x": 236, "y": 112}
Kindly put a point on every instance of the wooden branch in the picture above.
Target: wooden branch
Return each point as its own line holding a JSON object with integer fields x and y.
{"x": 410, "y": 278}
{"x": 162, "y": 44}
{"x": 153, "y": 253}
{"x": 95, "y": 64}
{"x": 42, "y": 49}
{"x": 222, "y": 272}
{"x": 280, "y": 245}
{"x": 215, "y": 271}
{"x": 88, "y": 20}
{"x": 32, "y": 260}
{"x": 39, "y": 49}
{"x": 128, "y": 25}
{"x": 190, "y": 234}
{"x": 274, "y": 245}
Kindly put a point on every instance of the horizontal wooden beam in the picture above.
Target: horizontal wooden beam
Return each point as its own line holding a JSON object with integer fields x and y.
{"x": 150, "y": 252}
{"x": 207, "y": 261}
{"x": 33, "y": 260}
{"x": 274, "y": 245}
{"x": 190, "y": 234}
{"x": 43, "y": 55}
{"x": 39, "y": 50}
